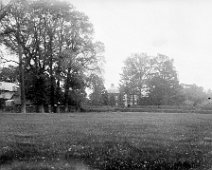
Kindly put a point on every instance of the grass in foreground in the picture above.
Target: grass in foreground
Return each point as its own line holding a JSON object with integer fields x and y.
{"x": 112, "y": 140}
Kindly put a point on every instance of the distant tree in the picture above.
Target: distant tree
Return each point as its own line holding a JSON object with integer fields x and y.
{"x": 163, "y": 83}
{"x": 135, "y": 73}
{"x": 98, "y": 95}
{"x": 179, "y": 98}
{"x": 195, "y": 94}
{"x": 77, "y": 93}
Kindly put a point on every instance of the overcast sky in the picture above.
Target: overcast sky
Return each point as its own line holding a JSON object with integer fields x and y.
{"x": 180, "y": 29}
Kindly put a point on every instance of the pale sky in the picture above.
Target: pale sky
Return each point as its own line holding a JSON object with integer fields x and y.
{"x": 180, "y": 29}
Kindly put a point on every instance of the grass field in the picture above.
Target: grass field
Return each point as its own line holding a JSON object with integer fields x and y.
{"x": 112, "y": 140}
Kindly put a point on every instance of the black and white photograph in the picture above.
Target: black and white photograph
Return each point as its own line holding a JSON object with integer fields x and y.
{"x": 105, "y": 85}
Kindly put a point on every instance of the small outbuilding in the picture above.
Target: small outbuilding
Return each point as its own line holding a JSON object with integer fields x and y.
{"x": 8, "y": 93}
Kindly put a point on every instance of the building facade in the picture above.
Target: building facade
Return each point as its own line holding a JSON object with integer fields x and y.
{"x": 116, "y": 98}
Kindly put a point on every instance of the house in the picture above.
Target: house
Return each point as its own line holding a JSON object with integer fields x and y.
{"x": 117, "y": 99}
{"x": 113, "y": 95}
{"x": 8, "y": 94}
{"x": 130, "y": 100}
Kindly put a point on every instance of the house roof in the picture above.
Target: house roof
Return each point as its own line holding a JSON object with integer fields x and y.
{"x": 113, "y": 89}
{"x": 6, "y": 86}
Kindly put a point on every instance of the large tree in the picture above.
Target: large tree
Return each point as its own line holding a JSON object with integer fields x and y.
{"x": 26, "y": 32}
{"x": 57, "y": 43}
{"x": 82, "y": 56}
{"x": 163, "y": 84}
{"x": 12, "y": 34}
{"x": 135, "y": 73}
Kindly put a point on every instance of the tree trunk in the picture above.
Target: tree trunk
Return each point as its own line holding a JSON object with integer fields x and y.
{"x": 52, "y": 85}
{"x": 22, "y": 84}
{"x": 140, "y": 97}
{"x": 52, "y": 102}
{"x": 58, "y": 96}
{"x": 58, "y": 109}
{"x": 40, "y": 108}
{"x": 67, "y": 90}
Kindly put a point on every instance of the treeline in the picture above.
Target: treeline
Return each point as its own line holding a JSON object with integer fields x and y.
{"x": 57, "y": 53}
{"x": 154, "y": 80}
{"x": 59, "y": 60}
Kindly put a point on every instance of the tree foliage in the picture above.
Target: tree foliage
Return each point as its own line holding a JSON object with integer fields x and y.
{"x": 194, "y": 95}
{"x": 58, "y": 47}
{"x": 99, "y": 94}
{"x": 154, "y": 77}
{"x": 135, "y": 73}
{"x": 163, "y": 83}
{"x": 9, "y": 74}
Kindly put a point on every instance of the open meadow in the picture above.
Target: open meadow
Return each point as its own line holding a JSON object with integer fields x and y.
{"x": 118, "y": 140}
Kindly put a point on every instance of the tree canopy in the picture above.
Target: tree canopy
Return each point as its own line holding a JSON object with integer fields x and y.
{"x": 59, "y": 53}
{"x": 153, "y": 76}
{"x": 163, "y": 83}
{"x": 135, "y": 73}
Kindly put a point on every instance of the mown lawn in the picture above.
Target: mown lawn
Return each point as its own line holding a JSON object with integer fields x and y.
{"x": 113, "y": 140}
